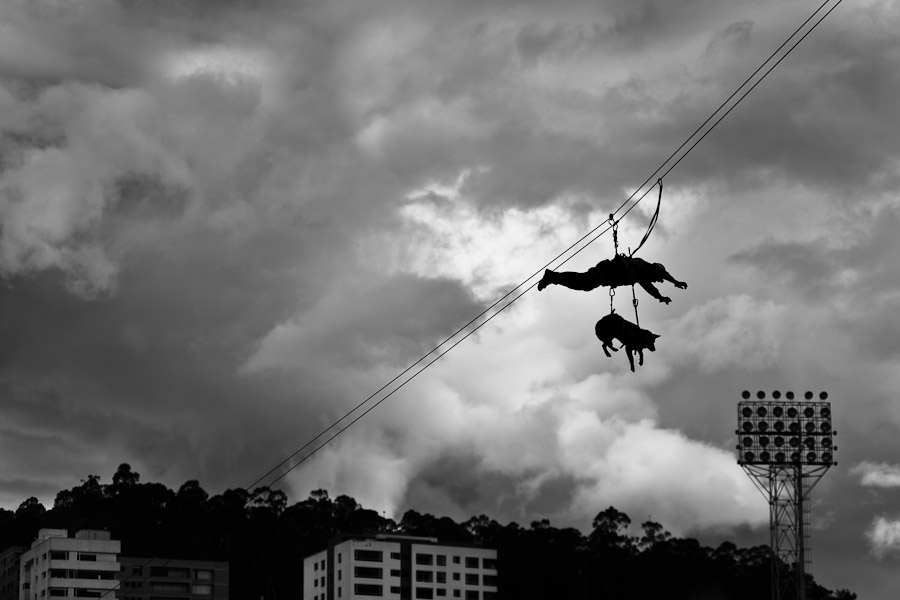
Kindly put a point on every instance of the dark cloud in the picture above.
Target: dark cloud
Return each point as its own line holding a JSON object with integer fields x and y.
{"x": 207, "y": 253}
{"x": 730, "y": 39}
{"x": 858, "y": 268}
{"x": 809, "y": 268}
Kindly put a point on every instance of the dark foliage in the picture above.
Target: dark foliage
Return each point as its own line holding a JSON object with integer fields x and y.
{"x": 265, "y": 540}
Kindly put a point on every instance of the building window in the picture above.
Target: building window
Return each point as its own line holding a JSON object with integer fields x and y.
{"x": 340, "y": 556}
{"x": 441, "y": 560}
{"x": 323, "y": 564}
{"x": 489, "y": 563}
{"x": 159, "y": 572}
{"x": 367, "y": 572}
{"x": 339, "y": 592}
{"x": 339, "y": 574}
{"x": 58, "y": 591}
{"x": 395, "y": 572}
{"x": 456, "y": 577}
{"x": 86, "y": 556}
{"x": 490, "y": 596}
{"x": 424, "y": 559}
{"x": 395, "y": 556}
{"x": 426, "y": 593}
{"x": 316, "y": 566}
{"x": 471, "y": 594}
{"x": 203, "y": 574}
{"x": 367, "y": 589}
{"x": 489, "y": 580}
{"x": 170, "y": 586}
{"x": 82, "y": 574}
{"x": 455, "y": 560}
{"x": 201, "y": 589}
{"x": 81, "y": 593}
{"x": 441, "y": 592}
{"x": 179, "y": 573}
{"x": 395, "y": 589}
{"x": 424, "y": 576}
{"x": 316, "y": 582}
{"x": 368, "y": 555}
{"x": 471, "y": 562}
{"x": 441, "y": 577}
{"x": 137, "y": 570}
{"x": 58, "y": 555}
{"x": 456, "y": 593}
{"x": 471, "y": 578}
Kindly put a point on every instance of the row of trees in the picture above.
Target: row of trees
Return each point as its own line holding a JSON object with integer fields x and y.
{"x": 265, "y": 539}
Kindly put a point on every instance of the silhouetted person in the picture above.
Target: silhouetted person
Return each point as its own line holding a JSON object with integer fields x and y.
{"x": 614, "y": 272}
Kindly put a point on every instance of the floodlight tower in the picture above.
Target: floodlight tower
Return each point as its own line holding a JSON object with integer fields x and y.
{"x": 786, "y": 447}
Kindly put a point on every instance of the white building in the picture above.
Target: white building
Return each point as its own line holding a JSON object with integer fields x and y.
{"x": 399, "y": 567}
{"x": 84, "y": 566}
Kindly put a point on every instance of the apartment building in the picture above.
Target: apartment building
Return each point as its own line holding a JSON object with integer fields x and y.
{"x": 59, "y": 566}
{"x": 9, "y": 572}
{"x": 172, "y": 579}
{"x": 399, "y": 568}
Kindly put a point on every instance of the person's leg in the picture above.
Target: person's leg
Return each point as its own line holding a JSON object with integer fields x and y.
{"x": 583, "y": 282}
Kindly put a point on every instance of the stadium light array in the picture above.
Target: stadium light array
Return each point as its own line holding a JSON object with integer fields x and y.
{"x": 776, "y": 431}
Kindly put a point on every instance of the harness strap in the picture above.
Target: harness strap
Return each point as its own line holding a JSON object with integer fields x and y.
{"x": 653, "y": 219}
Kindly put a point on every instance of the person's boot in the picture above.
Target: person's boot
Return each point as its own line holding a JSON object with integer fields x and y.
{"x": 545, "y": 280}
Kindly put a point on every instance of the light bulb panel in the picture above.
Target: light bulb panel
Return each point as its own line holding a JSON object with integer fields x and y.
{"x": 774, "y": 431}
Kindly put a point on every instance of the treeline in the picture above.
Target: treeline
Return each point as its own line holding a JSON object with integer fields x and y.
{"x": 265, "y": 540}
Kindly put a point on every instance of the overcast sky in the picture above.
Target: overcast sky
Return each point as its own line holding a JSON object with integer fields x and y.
{"x": 225, "y": 223}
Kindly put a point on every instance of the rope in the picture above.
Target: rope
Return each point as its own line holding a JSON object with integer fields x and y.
{"x": 653, "y": 219}
{"x": 615, "y": 229}
{"x": 586, "y": 236}
{"x": 634, "y": 302}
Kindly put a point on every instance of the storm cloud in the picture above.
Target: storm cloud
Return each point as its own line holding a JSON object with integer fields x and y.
{"x": 224, "y": 224}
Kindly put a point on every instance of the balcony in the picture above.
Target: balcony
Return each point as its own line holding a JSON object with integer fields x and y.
{"x": 97, "y": 584}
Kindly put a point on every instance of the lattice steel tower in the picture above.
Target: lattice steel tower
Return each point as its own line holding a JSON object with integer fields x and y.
{"x": 786, "y": 447}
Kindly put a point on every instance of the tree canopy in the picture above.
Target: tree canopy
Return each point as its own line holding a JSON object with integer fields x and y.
{"x": 264, "y": 539}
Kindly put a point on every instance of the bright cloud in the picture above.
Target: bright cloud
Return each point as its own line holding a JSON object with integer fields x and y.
{"x": 284, "y": 204}
{"x": 730, "y": 331}
{"x": 509, "y": 407}
{"x": 881, "y": 475}
{"x": 884, "y": 536}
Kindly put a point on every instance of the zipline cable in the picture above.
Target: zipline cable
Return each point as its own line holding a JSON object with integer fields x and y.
{"x": 728, "y": 99}
{"x": 551, "y": 262}
{"x": 556, "y": 258}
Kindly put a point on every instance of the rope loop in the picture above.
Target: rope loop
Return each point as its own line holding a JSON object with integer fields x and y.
{"x": 634, "y": 303}
{"x": 653, "y": 219}
{"x": 615, "y": 229}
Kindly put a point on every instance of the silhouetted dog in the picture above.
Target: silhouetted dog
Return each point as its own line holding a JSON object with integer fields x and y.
{"x": 632, "y": 337}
